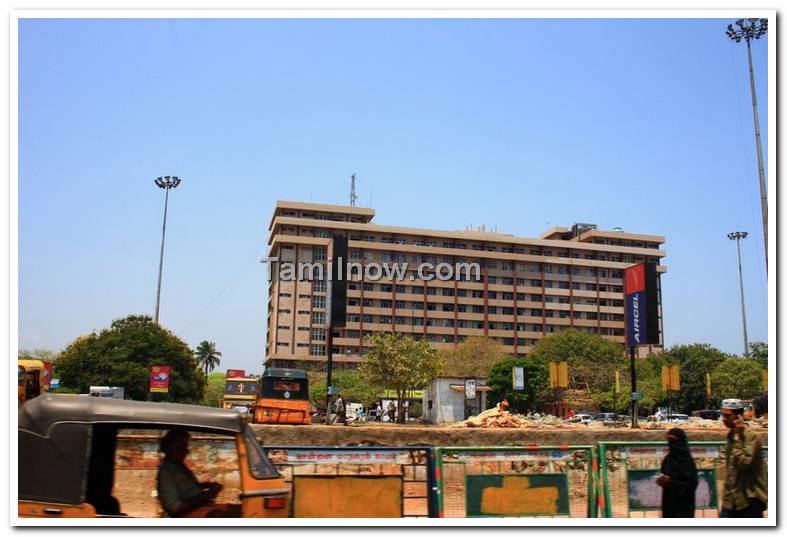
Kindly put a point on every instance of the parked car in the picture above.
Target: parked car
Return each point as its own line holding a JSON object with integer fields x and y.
{"x": 581, "y": 418}
{"x": 606, "y": 416}
{"x": 68, "y": 452}
{"x": 707, "y": 414}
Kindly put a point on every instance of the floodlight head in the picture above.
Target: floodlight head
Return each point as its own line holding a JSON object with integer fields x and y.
{"x": 168, "y": 181}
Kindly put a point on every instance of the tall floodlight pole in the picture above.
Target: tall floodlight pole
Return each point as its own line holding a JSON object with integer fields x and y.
{"x": 749, "y": 29}
{"x": 737, "y": 236}
{"x": 167, "y": 182}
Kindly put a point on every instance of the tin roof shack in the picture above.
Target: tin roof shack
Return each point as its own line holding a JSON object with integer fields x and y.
{"x": 445, "y": 402}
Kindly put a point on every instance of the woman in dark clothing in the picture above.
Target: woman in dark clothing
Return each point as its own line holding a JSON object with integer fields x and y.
{"x": 679, "y": 478}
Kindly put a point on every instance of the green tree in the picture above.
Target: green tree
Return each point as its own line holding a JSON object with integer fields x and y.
{"x": 122, "y": 356}
{"x": 351, "y": 385}
{"x": 500, "y": 382}
{"x": 400, "y": 363}
{"x": 38, "y": 354}
{"x": 648, "y": 383}
{"x": 473, "y": 358}
{"x": 214, "y": 390}
{"x": 591, "y": 359}
{"x": 695, "y": 361}
{"x": 207, "y": 356}
{"x": 737, "y": 378}
{"x": 758, "y": 351}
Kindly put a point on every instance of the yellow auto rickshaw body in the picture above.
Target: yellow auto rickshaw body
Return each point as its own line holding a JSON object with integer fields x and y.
{"x": 67, "y": 454}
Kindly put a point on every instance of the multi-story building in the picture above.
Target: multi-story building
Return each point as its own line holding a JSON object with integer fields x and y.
{"x": 528, "y": 288}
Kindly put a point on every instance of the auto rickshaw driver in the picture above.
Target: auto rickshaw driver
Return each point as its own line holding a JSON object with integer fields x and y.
{"x": 179, "y": 492}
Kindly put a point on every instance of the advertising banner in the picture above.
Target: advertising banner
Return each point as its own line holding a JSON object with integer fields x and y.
{"x": 235, "y": 373}
{"x": 642, "y": 314}
{"x": 470, "y": 389}
{"x": 519, "y": 378}
{"x": 159, "y": 379}
{"x": 47, "y": 374}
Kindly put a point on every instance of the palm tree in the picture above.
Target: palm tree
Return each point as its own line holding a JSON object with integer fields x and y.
{"x": 207, "y": 356}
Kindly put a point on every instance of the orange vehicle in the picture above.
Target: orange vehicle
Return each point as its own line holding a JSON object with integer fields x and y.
{"x": 68, "y": 455}
{"x": 31, "y": 379}
{"x": 283, "y": 397}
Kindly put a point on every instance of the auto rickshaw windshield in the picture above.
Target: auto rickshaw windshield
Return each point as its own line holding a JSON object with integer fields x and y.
{"x": 259, "y": 465}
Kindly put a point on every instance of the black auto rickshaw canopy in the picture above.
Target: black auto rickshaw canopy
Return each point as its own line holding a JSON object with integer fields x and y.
{"x": 56, "y": 434}
{"x": 284, "y": 383}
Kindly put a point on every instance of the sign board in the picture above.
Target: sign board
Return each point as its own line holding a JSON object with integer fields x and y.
{"x": 642, "y": 314}
{"x": 469, "y": 388}
{"x": 54, "y": 384}
{"x": 517, "y": 495}
{"x": 670, "y": 378}
{"x": 645, "y": 495}
{"x": 513, "y": 455}
{"x": 636, "y": 396}
{"x": 235, "y": 373}
{"x": 159, "y": 379}
{"x": 336, "y": 283}
{"x": 333, "y": 456}
{"x": 47, "y": 374}
{"x": 518, "y": 381}
{"x": 409, "y": 394}
{"x": 558, "y": 374}
{"x": 334, "y": 496}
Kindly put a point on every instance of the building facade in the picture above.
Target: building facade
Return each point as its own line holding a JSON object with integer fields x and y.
{"x": 527, "y": 288}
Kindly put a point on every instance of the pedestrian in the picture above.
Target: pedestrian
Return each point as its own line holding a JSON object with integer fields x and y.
{"x": 391, "y": 411}
{"x": 678, "y": 479}
{"x": 179, "y": 492}
{"x": 745, "y": 489}
{"x": 378, "y": 411}
{"x": 339, "y": 409}
{"x": 361, "y": 414}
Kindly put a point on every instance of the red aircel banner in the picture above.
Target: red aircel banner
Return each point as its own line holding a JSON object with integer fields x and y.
{"x": 635, "y": 279}
{"x": 235, "y": 373}
{"x": 636, "y": 317}
{"x": 159, "y": 379}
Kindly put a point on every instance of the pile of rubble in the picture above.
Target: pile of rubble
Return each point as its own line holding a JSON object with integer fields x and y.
{"x": 500, "y": 417}
{"x": 494, "y": 417}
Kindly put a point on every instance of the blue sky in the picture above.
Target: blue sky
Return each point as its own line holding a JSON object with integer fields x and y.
{"x": 523, "y": 124}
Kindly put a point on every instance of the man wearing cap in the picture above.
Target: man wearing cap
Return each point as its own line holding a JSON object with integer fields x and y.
{"x": 745, "y": 489}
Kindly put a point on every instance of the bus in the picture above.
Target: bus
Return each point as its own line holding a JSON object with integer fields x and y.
{"x": 283, "y": 397}
{"x": 240, "y": 393}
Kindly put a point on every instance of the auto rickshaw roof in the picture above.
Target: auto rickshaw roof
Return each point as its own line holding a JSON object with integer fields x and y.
{"x": 282, "y": 372}
{"x": 39, "y": 414}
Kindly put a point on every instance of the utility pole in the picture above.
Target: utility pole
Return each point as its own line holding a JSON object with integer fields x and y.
{"x": 167, "y": 182}
{"x": 737, "y": 236}
{"x": 749, "y": 29}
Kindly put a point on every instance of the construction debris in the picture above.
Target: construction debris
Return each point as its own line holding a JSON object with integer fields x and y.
{"x": 500, "y": 417}
{"x": 494, "y": 417}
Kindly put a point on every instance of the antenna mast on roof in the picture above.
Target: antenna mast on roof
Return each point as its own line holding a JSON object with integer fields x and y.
{"x": 353, "y": 197}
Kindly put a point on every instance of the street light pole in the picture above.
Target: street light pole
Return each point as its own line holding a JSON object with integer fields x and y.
{"x": 167, "y": 182}
{"x": 748, "y": 29}
{"x": 737, "y": 236}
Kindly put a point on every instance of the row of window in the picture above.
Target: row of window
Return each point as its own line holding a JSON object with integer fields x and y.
{"x": 479, "y": 324}
{"x": 319, "y": 349}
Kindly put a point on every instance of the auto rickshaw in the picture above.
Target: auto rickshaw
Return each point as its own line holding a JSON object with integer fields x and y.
{"x": 67, "y": 454}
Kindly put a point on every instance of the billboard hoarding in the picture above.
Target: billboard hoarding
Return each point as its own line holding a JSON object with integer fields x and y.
{"x": 159, "y": 379}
